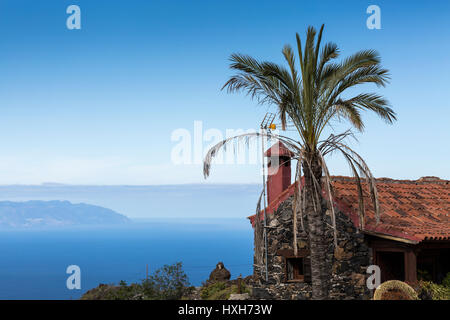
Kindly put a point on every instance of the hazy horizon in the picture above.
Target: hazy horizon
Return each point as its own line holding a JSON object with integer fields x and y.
{"x": 157, "y": 201}
{"x": 56, "y": 184}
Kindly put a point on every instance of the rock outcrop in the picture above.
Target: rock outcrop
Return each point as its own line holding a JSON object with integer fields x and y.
{"x": 219, "y": 274}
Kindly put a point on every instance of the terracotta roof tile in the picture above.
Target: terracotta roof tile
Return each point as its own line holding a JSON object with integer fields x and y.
{"x": 411, "y": 209}
{"x": 414, "y": 210}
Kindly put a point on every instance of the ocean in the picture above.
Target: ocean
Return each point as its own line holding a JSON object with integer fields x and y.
{"x": 33, "y": 263}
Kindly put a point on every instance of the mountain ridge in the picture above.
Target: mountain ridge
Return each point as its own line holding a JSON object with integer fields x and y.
{"x": 55, "y": 213}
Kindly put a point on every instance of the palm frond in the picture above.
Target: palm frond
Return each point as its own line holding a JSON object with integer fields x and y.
{"x": 375, "y": 103}
{"x": 289, "y": 143}
{"x": 357, "y": 162}
{"x": 259, "y": 240}
{"x": 329, "y": 189}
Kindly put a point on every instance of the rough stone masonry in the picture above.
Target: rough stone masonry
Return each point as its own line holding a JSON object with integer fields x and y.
{"x": 348, "y": 262}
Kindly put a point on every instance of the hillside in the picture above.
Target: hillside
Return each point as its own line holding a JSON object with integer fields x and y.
{"x": 35, "y": 213}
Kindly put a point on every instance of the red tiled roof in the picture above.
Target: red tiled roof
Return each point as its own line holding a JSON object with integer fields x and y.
{"x": 276, "y": 202}
{"x": 413, "y": 210}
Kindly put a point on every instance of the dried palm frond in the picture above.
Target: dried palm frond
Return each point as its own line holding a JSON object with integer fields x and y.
{"x": 289, "y": 143}
{"x": 364, "y": 169}
{"x": 259, "y": 241}
{"x": 295, "y": 206}
{"x": 329, "y": 189}
{"x": 356, "y": 164}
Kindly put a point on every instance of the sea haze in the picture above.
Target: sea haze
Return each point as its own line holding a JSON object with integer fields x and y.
{"x": 165, "y": 201}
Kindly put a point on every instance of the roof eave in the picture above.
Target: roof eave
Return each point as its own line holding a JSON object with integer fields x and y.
{"x": 389, "y": 237}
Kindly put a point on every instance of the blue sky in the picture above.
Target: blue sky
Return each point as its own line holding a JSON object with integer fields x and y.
{"x": 99, "y": 105}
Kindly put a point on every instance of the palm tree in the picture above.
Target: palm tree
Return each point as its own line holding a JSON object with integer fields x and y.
{"x": 308, "y": 99}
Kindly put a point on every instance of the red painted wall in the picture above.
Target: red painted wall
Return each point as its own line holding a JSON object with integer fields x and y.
{"x": 278, "y": 180}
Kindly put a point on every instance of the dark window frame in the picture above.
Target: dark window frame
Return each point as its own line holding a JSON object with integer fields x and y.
{"x": 297, "y": 275}
{"x": 289, "y": 254}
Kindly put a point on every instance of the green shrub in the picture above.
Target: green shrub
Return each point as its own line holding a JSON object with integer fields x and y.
{"x": 428, "y": 289}
{"x": 423, "y": 275}
{"x": 211, "y": 290}
{"x": 167, "y": 283}
{"x": 115, "y": 292}
{"x": 446, "y": 281}
{"x": 221, "y": 291}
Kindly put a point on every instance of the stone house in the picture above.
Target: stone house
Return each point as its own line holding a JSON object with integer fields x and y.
{"x": 413, "y": 235}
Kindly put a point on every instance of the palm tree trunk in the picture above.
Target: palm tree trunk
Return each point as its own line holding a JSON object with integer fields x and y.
{"x": 315, "y": 212}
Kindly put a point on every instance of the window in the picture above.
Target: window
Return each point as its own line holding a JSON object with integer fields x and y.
{"x": 295, "y": 269}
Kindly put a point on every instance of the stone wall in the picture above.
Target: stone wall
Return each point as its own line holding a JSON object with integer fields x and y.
{"x": 348, "y": 262}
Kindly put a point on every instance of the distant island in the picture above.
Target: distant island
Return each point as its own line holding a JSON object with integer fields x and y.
{"x": 35, "y": 213}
